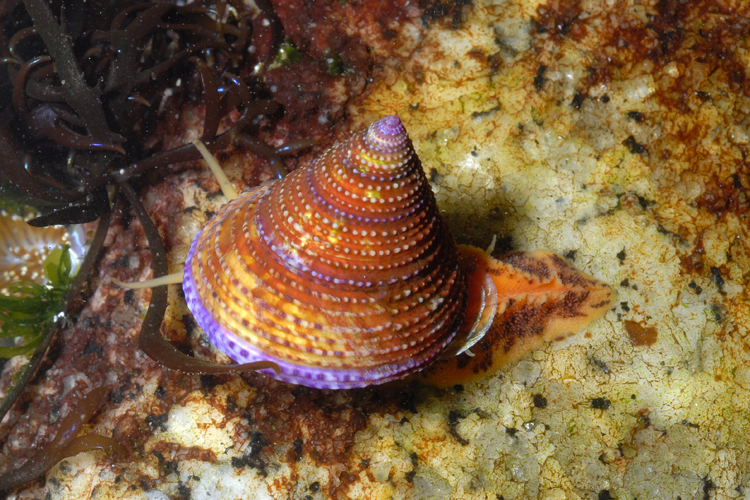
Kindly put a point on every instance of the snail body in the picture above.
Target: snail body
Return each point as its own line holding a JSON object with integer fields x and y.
{"x": 344, "y": 274}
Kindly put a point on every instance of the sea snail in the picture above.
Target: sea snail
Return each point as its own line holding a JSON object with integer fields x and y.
{"x": 344, "y": 274}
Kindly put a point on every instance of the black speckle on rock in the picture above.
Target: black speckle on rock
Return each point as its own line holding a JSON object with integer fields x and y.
{"x": 158, "y": 422}
{"x": 511, "y": 431}
{"x": 257, "y": 442}
{"x": 645, "y": 419}
{"x": 624, "y": 306}
{"x": 634, "y": 147}
{"x": 644, "y": 202}
{"x": 315, "y": 487}
{"x": 621, "y": 256}
{"x": 636, "y": 116}
{"x": 252, "y": 459}
{"x": 604, "y": 495}
{"x": 482, "y": 114}
{"x": 716, "y": 276}
{"x": 540, "y": 401}
{"x": 297, "y": 447}
{"x": 409, "y": 476}
{"x": 453, "y": 419}
{"x": 601, "y": 365}
{"x": 183, "y": 492}
{"x": 248, "y": 418}
{"x": 171, "y": 466}
{"x": 123, "y": 261}
{"x": 601, "y": 404}
{"x": 435, "y": 12}
{"x": 93, "y": 348}
{"x": 708, "y": 486}
{"x": 539, "y": 78}
{"x": 160, "y": 392}
{"x": 118, "y": 395}
{"x": 718, "y": 312}
{"x": 231, "y": 404}
{"x": 577, "y": 100}
{"x": 570, "y": 255}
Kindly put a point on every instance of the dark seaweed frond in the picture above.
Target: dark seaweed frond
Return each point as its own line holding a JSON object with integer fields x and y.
{"x": 87, "y": 94}
{"x": 65, "y": 444}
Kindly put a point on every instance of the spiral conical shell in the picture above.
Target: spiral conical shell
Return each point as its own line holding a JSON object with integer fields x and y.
{"x": 343, "y": 273}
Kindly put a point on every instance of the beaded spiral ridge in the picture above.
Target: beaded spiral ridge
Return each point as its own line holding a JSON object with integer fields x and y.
{"x": 343, "y": 273}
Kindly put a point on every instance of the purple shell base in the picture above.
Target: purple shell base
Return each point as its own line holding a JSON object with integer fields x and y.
{"x": 318, "y": 377}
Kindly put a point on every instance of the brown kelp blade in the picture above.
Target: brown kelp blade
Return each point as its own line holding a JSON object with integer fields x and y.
{"x": 540, "y": 298}
{"x": 65, "y": 444}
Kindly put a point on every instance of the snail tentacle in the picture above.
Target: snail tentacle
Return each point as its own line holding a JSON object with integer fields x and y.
{"x": 169, "y": 279}
{"x": 224, "y": 183}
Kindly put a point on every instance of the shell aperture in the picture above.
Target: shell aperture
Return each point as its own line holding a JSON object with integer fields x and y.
{"x": 342, "y": 273}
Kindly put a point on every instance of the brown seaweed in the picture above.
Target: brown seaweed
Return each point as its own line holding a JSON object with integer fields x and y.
{"x": 85, "y": 100}
{"x": 65, "y": 444}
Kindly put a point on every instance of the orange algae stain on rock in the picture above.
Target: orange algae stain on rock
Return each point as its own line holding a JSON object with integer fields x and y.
{"x": 640, "y": 335}
{"x": 540, "y": 298}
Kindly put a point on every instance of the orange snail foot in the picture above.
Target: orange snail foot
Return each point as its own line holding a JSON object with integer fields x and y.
{"x": 537, "y": 297}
